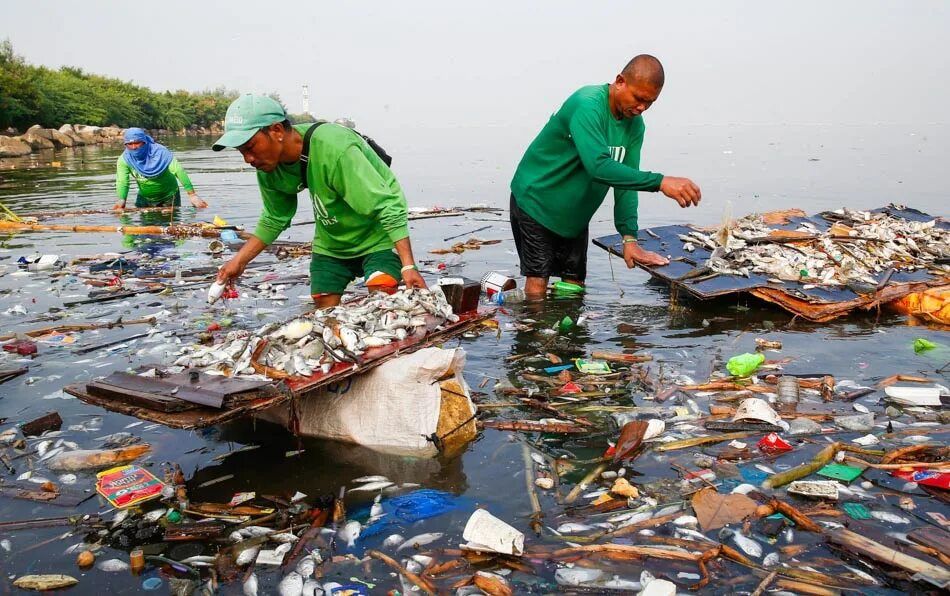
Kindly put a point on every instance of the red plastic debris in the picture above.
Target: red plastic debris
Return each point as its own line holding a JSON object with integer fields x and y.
{"x": 115, "y": 281}
{"x": 441, "y": 266}
{"x": 214, "y": 327}
{"x": 21, "y": 347}
{"x": 571, "y": 387}
{"x": 230, "y": 293}
{"x": 772, "y": 443}
{"x": 925, "y": 477}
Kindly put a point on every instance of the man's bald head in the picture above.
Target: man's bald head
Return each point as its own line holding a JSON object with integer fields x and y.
{"x": 644, "y": 69}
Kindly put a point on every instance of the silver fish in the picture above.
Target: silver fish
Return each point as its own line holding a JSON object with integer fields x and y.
{"x": 393, "y": 540}
{"x": 420, "y": 540}
{"x": 246, "y": 556}
{"x": 371, "y": 486}
{"x": 291, "y": 585}
{"x": 250, "y": 585}
{"x": 349, "y": 533}
{"x": 311, "y": 587}
{"x": 572, "y": 528}
{"x": 306, "y": 566}
{"x": 362, "y": 479}
{"x": 112, "y": 565}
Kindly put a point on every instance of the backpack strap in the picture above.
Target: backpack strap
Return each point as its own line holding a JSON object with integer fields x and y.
{"x": 304, "y": 153}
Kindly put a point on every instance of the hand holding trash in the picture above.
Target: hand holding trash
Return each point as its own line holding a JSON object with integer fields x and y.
{"x": 633, "y": 254}
{"x": 412, "y": 278}
{"x": 119, "y": 206}
{"x": 682, "y": 190}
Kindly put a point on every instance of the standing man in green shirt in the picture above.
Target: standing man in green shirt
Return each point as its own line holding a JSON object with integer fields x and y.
{"x": 590, "y": 144}
{"x": 156, "y": 173}
{"x": 362, "y": 225}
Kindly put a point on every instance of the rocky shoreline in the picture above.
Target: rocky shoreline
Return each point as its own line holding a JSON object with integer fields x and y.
{"x": 37, "y": 138}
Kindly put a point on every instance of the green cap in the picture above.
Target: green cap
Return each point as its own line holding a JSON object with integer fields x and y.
{"x": 246, "y": 115}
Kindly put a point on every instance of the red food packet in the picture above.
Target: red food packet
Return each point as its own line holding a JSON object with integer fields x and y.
{"x": 772, "y": 443}
{"x": 925, "y": 477}
{"x": 125, "y": 486}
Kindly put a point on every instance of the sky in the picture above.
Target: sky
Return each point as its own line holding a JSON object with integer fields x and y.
{"x": 398, "y": 65}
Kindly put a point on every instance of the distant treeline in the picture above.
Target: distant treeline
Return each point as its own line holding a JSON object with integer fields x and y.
{"x": 38, "y": 95}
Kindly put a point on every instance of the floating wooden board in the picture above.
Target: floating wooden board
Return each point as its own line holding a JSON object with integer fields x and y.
{"x": 819, "y": 304}
{"x": 136, "y": 402}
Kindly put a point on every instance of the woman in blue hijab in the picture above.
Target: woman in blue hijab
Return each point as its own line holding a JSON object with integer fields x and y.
{"x": 155, "y": 171}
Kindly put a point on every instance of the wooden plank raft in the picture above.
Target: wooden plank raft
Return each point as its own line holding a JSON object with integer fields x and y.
{"x": 151, "y": 399}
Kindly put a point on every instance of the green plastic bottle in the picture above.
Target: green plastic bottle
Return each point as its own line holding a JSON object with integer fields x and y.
{"x": 566, "y": 287}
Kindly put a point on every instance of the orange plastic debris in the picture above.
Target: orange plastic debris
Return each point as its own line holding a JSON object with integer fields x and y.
{"x": 931, "y": 305}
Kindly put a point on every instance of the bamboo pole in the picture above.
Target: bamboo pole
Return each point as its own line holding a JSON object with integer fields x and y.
{"x": 81, "y": 212}
{"x": 182, "y": 230}
{"x": 532, "y": 492}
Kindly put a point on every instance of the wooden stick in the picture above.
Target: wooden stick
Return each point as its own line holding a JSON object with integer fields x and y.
{"x": 422, "y": 584}
{"x": 582, "y": 486}
{"x": 79, "y": 212}
{"x": 693, "y": 442}
{"x": 181, "y": 230}
{"x": 936, "y": 466}
{"x": 532, "y": 492}
{"x": 821, "y": 458}
{"x": 861, "y": 545}
{"x": 623, "y": 358}
{"x": 527, "y": 425}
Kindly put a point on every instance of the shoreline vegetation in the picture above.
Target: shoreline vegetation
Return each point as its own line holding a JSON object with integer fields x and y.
{"x": 39, "y": 107}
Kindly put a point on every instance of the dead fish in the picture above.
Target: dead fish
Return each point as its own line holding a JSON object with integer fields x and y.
{"x": 6, "y": 545}
{"x": 250, "y": 585}
{"x": 247, "y": 556}
{"x": 120, "y": 517}
{"x": 291, "y": 585}
{"x": 112, "y": 565}
{"x": 306, "y": 566}
{"x": 52, "y": 453}
{"x": 42, "y": 447}
{"x": 686, "y": 521}
{"x": 572, "y": 528}
{"x": 363, "y": 479}
{"x": 283, "y": 537}
{"x": 376, "y": 511}
{"x": 888, "y": 517}
{"x": 371, "y": 486}
{"x": 310, "y": 588}
{"x": 770, "y": 560}
{"x": 747, "y": 545}
{"x": 154, "y": 515}
{"x": 349, "y": 533}
{"x": 393, "y": 540}
{"x": 420, "y": 540}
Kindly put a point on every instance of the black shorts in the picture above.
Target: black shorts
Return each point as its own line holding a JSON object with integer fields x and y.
{"x": 543, "y": 253}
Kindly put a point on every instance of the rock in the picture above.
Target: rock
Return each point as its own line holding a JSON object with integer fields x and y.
{"x": 803, "y": 426}
{"x": 66, "y": 129}
{"x": 858, "y": 423}
{"x": 89, "y": 138}
{"x": 13, "y": 147}
{"x": 86, "y": 128}
{"x": 37, "y": 141}
{"x": 60, "y": 139}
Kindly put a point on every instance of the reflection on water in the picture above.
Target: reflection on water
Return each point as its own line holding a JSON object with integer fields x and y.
{"x": 766, "y": 168}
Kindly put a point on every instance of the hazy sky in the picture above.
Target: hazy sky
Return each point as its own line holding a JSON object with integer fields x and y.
{"x": 510, "y": 63}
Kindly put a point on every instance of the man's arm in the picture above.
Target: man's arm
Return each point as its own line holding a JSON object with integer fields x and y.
{"x": 279, "y": 210}
{"x": 121, "y": 183}
{"x": 176, "y": 168}
{"x": 591, "y": 142}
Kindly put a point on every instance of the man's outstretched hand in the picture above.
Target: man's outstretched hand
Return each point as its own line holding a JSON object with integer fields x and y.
{"x": 682, "y": 190}
{"x": 633, "y": 254}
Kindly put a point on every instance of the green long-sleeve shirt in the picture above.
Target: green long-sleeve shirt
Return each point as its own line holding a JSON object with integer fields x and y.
{"x": 580, "y": 153}
{"x": 155, "y": 191}
{"x": 358, "y": 204}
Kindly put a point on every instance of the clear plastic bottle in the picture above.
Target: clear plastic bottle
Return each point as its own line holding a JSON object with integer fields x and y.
{"x": 515, "y": 296}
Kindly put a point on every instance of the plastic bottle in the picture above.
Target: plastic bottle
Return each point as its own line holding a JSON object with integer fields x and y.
{"x": 788, "y": 393}
{"x": 515, "y": 296}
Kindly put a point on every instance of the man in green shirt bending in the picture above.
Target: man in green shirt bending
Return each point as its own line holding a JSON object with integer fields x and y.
{"x": 360, "y": 210}
{"x": 590, "y": 144}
